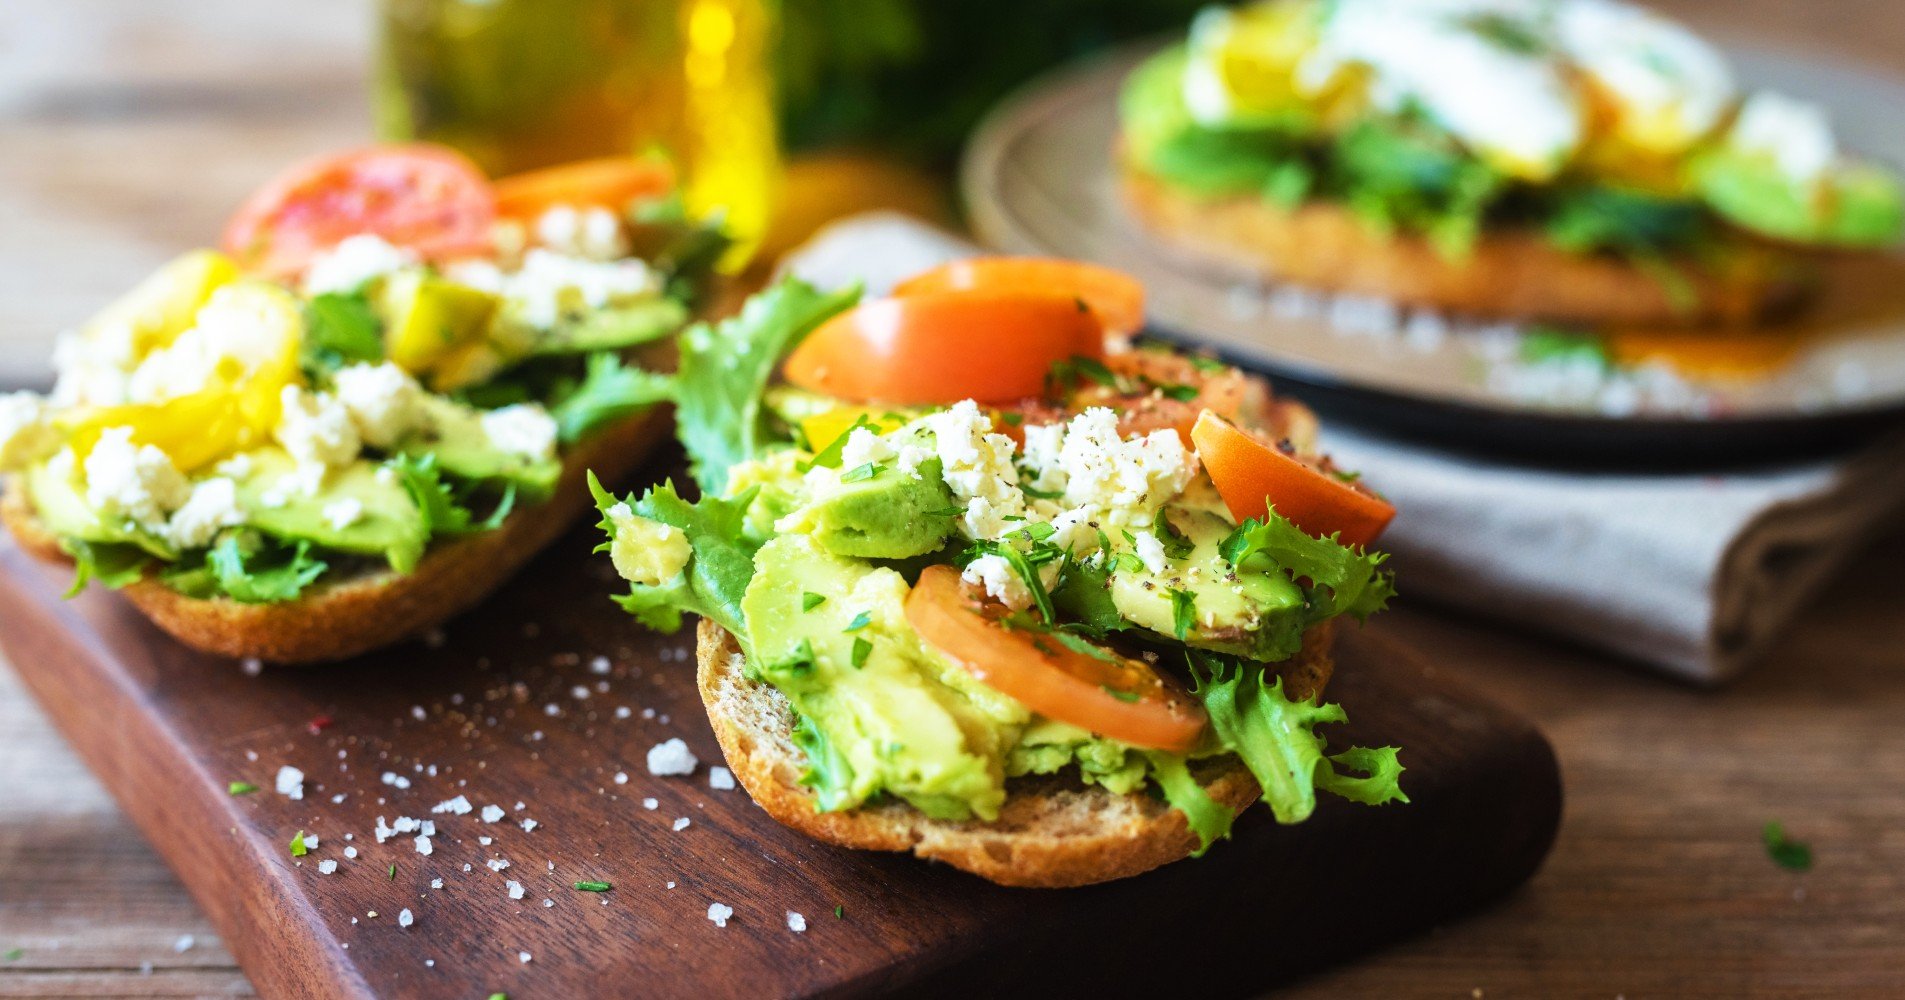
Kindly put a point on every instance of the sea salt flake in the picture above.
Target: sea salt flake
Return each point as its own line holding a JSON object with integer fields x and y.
{"x": 681, "y": 824}
{"x": 459, "y": 806}
{"x": 327, "y": 866}
{"x": 404, "y": 918}
{"x": 718, "y": 914}
{"x": 290, "y": 782}
{"x": 515, "y": 889}
{"x": 720, "y": 779}
{"x": 671, "y": 757}
{"x": 491, "y": 814}
{"x": 796, "y": 922}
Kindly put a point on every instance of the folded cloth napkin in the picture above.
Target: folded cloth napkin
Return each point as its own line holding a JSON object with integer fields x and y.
{"x": 1692, "y": 574}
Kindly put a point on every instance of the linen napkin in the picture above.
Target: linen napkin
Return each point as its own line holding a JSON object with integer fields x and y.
{"x": 1693, "y": 575}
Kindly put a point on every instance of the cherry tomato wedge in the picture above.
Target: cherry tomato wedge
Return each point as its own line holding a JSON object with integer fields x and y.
{"x": 1109, "y": 694}
{"x": 610, "y": 182}
{"x": 1116, "y": 297}
{"x": 427, "y": 198}
{"x": 1251, "y": 475}
{"x": 943, "y": 347}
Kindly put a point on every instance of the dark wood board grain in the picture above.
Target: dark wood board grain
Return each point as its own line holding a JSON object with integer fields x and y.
{"x": 492, "y": 712}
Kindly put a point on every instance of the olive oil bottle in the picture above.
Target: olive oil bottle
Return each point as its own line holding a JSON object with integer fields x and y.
{"x": 520, "y": 84}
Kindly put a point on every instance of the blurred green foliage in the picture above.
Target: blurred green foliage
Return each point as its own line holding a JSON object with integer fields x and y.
{"x": 916, "y": 75}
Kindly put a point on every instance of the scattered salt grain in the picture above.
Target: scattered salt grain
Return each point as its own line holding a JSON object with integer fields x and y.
{"x": 599, "y": 665}
{"x": 424, "y": 847}
{"x": 529, "y": 825}
{"x": 681, "y": 824}
{"x": 651, "y": 803}
{"x": 350, "y": 852}
{"x": 548, "y": 903}
{"x": 429, "y": 828}
{"x": 720, "y": 779}
{"x": 621, "y": 777}
{"x": 404, "y": 918}
{"x": 671, "y": 885}
{"x": 515, "y": 889}
{"x": 671, "y": 757}
{"x": 436, "y": 883}
{"x": 491, "y": 814}
{"x": 394, "y": 780}
{"x": 796, "y": 922}
{"x": 184, "y": 944}
{"x": 719, "y": 913}
{"x": 486, "y": 841}
{"x": 327, "y": 866}
{"x": 459, "y": 806}
{"x": 290, "y": 783}
{"x": 579, "y": 693}
{"x": 623, "y": 712}
{"x": 417, "y": 713}
{"x": 523, "y": 957}
{"x": 252, "y": 666}
{"x": 552, "y": 710}
{"x": 497, "y": 864}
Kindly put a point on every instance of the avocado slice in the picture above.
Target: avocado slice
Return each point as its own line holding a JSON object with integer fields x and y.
{"x": 615, "y": 328}
{"x": 1854, "y": 205}
{"x": 427, "y": 318}
{"x": 390, "y": 525}
{"x": 888, "y": 515}
{"x": 63, "y": 509}
{"x": 454, "y": 434}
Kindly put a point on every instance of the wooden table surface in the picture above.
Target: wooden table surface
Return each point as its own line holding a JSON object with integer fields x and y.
{"x": 127, "y": 129}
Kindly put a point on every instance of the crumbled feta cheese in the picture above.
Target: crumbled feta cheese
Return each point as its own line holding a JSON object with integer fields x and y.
{"x": 1127, "y": 481}
{"x": 93, "y": 366}
{"x": 235, "y": 331}
{"x": 1796, "y": 134}
{"x": 594, "y": 233}
{"x": 327, "y": 866}
{"x": 999, "y": 580}
{"x": 1150, "y": 551}
{"x": 212, "y": 506}
{"x": 671, "y": 757}
{"x": 490, "y": 813}
{"x": 796, "y": 922}
{"x": 137, "y": 482}
{"x": 515, "y": 889}
{"x": 550, "y": 286}
{"x": 864, "y": 446}
{"x": 720, "y": 913}
{"x": 310, "y": 841}
{"x": 26, "y": 430}
{"x": 646, "y": 551}
{"x": 318, "y": 431}
{"x": 460, "y": 806}
{"x": 977, "y": 464}
{"x": 383, "y": 401}
{"x": 290, "y": 782}
{"x": 343, "y": 512}
{"x": 524, "y": 429}
{"x": 720, "y": 779}
{"x": 353, "y": 263}
{"x": 405, "y": 918}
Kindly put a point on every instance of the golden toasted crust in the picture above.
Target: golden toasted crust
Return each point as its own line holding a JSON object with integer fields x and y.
{"x": 336, "y": 620}
{"x": 1513, "y": 274}
{"x": 1052, "y": 832}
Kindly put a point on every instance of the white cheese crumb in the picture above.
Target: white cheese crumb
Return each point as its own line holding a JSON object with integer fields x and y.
{"x": 796, "y": 922}
{"x": 1150, "y": 552}
{"x": 720, "y": 779}
{"x": 524, "y": 429}
{"x": 491, "y": 813}
{"x": 343, "y": 512}
{"x": 547, "y": 902}
{"x": 671, "y": 757}
{"x": 137, "y": 482}
{"x": 995, "y": 575}
{"x": 353, "y": 263}
{"x": 310, "y": 841}
{"x": 515, "y": 889}
{"x": 404, "y": 917}
{"x": 486, "y": 841}
{"x": 623, "y": 711}
{"x": 317, "y": 430}
{"x": 383, "y": 401}
{"x": 719, "y": 913}
{"x": 327, "y": 866}
{"x": 290, "y": 783}
{"x": 212, "y": 505}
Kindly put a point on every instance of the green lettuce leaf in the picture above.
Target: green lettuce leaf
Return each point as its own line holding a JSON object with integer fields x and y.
{"x": 109, "y": 564}
{"x": 718, "y": 572}
{"x": 340, "y": 328}
{"x": 1355, "y": 582}
{"x": 828, "y": 773}
{"x": 725, "y": 367}
{"x": 609, "y": 391}
{"x": 248, "y": 569}
{"x": 1275, "y": 737}
{"x": 1207, "y": 817}
{"x": 442, "y": 514}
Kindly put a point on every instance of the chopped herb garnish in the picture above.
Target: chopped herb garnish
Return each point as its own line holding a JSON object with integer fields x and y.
{"x": 810, "y": 601}
{"x": 15, "y": 954}
{"x": 1038, "y": 494}
{"x": 1080, "y": 301}
{"x": 298, "y": 849}
{"x": 393, "y": 873}
{"x": 829, "y": 457}
{"x": 860, "y": 621}
{"x": 1183, "y": 611}
{"x": 499, "y": 996}
{"x": 839, "y": 911}
{"x": 1079, "y": 645}
{"x": 241, "y": 788}
{"x": 861, "y": 648}
{"x": 1181, "y": 393}
{"x": 1012, "y": 418}
{"x": 1207, "y": 365}
{"x": 947, "y": 512}
{"x": 1175, "y": 544}
{"x": 1124, "y": 696}
{"x": 1037, "y": 531}
{"x": 594, "y": 886}
{"x": 1792, "y": 855}
{"x": 861, "y": 473}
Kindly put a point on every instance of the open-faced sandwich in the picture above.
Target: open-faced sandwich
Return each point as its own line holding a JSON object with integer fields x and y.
{"x": 368, "y": 409}
{"x": 1576, "y": 161}
{"x": 980, "y": 580}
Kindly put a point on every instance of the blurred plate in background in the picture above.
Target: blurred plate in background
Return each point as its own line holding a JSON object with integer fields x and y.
{"x": 1038, "y": 178}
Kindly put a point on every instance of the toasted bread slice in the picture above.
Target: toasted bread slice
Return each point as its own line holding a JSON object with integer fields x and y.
{"x": 1053, "y": 831}
{"x": 1510, "y": 275}
{"x": 333, "y": 620}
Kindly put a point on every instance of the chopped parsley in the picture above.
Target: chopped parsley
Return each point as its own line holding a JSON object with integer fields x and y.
{"x": 1124, "y": 696}
{"x": 393, "y": 873}
{"x": 810, "y": 601}
{"x": 298, "y": 848}
{"x": 1181, "y": 393}
{"x": 241, "y": 788}
{"x": 594, "y": 886}
{"x": 839, "y": 911}
{"x": 861, "y": 648}
{"x": 15, "y": 954}
{"x": 1183, "y": 611}
{"x": 829, "y": 457}
{"x": 1792, "y": 855}
{"x": 860, "y": 621}
{"x": 861, "y": 473}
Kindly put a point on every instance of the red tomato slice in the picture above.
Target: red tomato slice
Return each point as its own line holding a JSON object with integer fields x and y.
{"x": 1116, "y": 297}
{"x": 427, "y": 198}
{"x": 943, "y": 347}
{"x": 1251, "y": 476}
{"x": 611, "y": 182}
{"x": 1109, "y": 694}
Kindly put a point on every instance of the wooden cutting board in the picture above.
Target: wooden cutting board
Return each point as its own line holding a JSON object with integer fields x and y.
{"x": 511, "y": 706}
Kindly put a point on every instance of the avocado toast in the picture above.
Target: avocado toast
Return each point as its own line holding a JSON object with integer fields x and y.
{"x": 366, "y": 411}
{"x": 1574, "y": 161}
{"x": 982, "y": 581}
